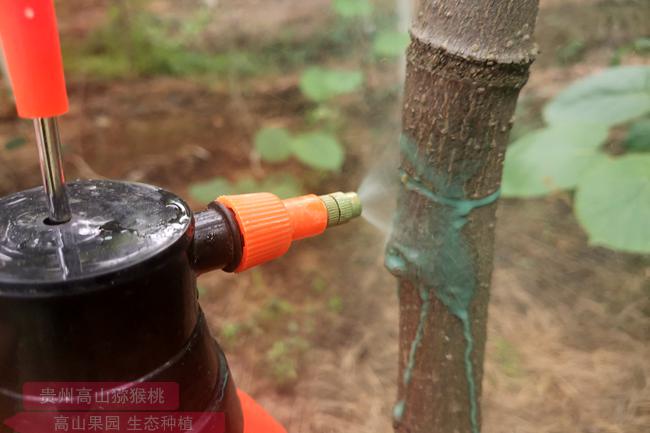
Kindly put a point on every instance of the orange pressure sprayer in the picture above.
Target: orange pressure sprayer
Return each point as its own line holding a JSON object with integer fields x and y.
{"x": 98, "y": 277}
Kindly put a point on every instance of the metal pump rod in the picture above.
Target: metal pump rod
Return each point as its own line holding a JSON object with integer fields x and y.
{"x": 30, "y": 40}
{"x": 49, "y": 152}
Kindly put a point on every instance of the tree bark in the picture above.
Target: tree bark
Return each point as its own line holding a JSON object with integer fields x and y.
{"x": 467, "y": 62}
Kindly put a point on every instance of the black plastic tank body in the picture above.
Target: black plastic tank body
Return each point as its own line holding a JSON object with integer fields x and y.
{"x": 111, "y": 295}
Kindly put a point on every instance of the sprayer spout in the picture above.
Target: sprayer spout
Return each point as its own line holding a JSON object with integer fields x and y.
{"x": 268, "y": 225}
{"x": 341, "y": 207}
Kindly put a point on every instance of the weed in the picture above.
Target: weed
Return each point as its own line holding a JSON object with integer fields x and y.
{"x": 335, "y": 304}
{"x": 508, "y": 358}
{"x": 15, "y": 143}
{"x": 283, "y": 360}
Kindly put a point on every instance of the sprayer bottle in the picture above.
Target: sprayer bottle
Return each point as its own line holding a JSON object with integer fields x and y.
{"x": 98, "y": 277}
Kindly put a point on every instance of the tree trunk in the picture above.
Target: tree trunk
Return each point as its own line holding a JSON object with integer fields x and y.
{"x": 467, "y": 62}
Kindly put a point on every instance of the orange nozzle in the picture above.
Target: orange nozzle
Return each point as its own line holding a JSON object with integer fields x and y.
{"x": 269, "y": 225}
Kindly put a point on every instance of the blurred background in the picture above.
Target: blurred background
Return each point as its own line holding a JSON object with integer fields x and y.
{"x": 228, "y": 96}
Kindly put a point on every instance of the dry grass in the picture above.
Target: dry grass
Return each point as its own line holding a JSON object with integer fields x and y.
{"x": 554, "y": 363}
{"x": 555, "y": 386}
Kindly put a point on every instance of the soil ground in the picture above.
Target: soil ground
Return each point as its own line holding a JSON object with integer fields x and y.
{"x": 314, "y": 336}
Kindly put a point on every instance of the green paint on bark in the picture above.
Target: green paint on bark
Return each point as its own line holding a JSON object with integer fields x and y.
{"x": 398, "y": 410}
{"x": 442, "y": 260}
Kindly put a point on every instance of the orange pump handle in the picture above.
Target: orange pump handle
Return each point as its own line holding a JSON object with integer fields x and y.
{"x": 268, "y": 225}
{"x": 30, "y": 39}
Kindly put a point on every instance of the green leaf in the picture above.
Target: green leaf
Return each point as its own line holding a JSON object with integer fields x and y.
{"x": 246, "y": 185}
{"x": 206, "y": 192}
{"x": 613, "y": 203}
{"x": 611, "y": 97}
{"x": 352, "y": 8}
{"x": 283, "y": 185}
{"x": 273, "y": 144}
{"x": 390, "y": 44}
{"x": 15, "y": 143}
{"x": 320, "y": 84}
{"x": 642, "y": 45}
{"x": 638, "y": 137}
{"x": 572, "y": 52}
{"x": 318, "y": 150}
{"x": 551, "y": 159}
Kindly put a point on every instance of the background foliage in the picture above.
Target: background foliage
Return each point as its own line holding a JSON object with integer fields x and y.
{"x": 317, "y": 145}
{"x": 576, "y": 151}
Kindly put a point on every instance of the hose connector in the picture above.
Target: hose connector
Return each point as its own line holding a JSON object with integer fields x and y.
{"x": 268, "y": 225}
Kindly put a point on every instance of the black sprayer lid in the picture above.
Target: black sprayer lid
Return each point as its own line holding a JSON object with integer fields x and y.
{"x": 114, "y": 225}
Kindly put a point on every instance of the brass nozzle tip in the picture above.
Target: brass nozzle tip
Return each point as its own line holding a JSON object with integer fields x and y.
{"x": 341, "y": 207}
